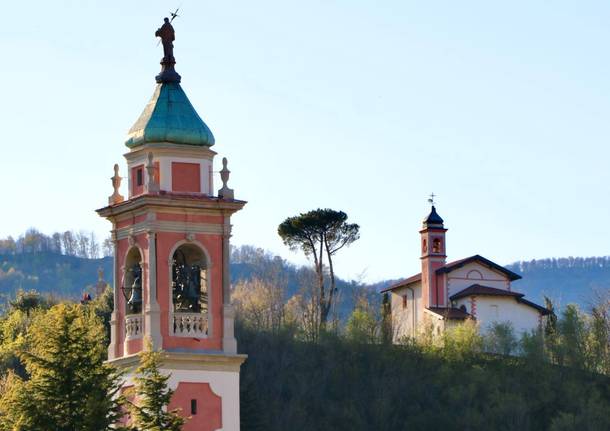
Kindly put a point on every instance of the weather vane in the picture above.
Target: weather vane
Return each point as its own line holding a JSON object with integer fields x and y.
{"x": 431, "y": 198}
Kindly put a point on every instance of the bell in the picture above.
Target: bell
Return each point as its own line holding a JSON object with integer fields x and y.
{"x": 135, "y": 300}
{"x": 193, "y": 288}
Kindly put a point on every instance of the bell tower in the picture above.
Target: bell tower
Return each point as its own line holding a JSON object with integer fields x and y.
{"x": 433, "y": 257}
{"x": 171, "y": 255}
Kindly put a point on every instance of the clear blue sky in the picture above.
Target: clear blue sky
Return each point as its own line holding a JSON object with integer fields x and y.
{"x": 500, "y": 108}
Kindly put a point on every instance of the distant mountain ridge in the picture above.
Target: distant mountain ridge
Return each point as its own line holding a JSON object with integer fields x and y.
{"x": 564, "y": 280}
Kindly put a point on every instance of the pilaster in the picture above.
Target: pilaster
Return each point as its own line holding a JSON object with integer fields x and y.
{"x": 152, "y": 313}
{"x": 229, "y": 343}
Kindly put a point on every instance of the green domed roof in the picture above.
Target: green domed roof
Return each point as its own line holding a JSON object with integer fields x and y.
{"x": 169, "y": 117}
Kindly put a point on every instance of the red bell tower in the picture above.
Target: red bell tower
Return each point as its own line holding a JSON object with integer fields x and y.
{"x": 433, "y": 257}
{"x": 171, "y": 261}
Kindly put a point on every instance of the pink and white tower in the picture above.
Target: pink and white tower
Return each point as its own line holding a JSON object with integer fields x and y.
{"x": 171, "y": 257}
{"x": 433, "y": 257}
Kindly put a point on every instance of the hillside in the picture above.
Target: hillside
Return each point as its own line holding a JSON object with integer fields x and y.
{"x": 566, "y": 280}
{"x": 340, "y": 385}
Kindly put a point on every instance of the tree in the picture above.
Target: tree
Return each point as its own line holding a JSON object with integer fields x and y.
{"x": 364, "y": 324}
{"x": 386, "y": 320}
{"x": 70, "y": 387}
{"x": 259, "y": 304}
{"x": 107, "y": 247}
{"x": 151, "y": 396}
{"x": 320, "y": 233}
{"x": 501, "y": 339}
{"x": 69, "y": 243}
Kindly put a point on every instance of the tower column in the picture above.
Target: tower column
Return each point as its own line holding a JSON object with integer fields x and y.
{"x": 229, "y": 343}
{"x": 152, "y": 313}
{"x": 112, "y": 347}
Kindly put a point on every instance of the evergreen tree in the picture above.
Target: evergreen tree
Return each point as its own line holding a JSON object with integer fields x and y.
{"x": 151, "y": 396}
{"x": 70, "y": 388}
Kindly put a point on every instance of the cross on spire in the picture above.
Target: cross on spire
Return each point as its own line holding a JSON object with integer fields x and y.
{"x": 431, "y": 199}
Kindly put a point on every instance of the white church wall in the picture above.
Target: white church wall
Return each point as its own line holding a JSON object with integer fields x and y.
{"x": 475, "y": 273}
{"x": 403, "y": 318}
{"x": 491, "y": 309}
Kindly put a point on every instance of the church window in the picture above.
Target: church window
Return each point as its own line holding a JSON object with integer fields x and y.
{"x": 189, "y": 280}
{"x": 139, "y": 177}
{"x": 424, "y": 246}
{"x": 193, "y": 407}
{"x": 463, "y": 308}
{"x": 404, "y": 302}
{"x": 474, "y": 275}
{"x": 436, "y": 245}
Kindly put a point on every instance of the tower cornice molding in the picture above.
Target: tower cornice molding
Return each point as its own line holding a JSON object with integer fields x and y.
{"x": 187, "y": 361}
{"x": 172, "y": 200}
{"x": 169, "y": 149}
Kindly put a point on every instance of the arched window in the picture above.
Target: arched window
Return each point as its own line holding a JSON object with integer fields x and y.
{"x": 189, "y": 280}
{"x": 473, "y": 274}
{"x": 132, "y": 281}
{"x": 436, "y": 245}
{"x": 424, "y": 246}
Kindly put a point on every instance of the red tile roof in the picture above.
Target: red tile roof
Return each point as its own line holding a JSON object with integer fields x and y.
{"x": 478, "y": 290}
{"x": 403, "y": 282}
{"x": 448, "y": 267}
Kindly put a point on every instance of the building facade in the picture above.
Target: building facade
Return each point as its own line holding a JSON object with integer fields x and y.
{"x": 171, "y": 258}
{"x": 444, "y": 294}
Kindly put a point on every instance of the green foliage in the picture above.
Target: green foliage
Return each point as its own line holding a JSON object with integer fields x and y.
{"x": 363, "y": 325}
{"x": 340, "y": 385}
{"x": 152, "y": 395}
{"x": 30, "y": 300}
{"x": 69, "y": 386}
{"x": 500, "y": 339}
{"x": 320, "y": 233}
{"x": 462, "y": 341}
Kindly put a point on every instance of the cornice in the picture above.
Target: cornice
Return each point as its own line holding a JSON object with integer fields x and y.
{"x": 171, "y": 200}
{"x": 187, "y": 361}
{"x": 169, "y": 149}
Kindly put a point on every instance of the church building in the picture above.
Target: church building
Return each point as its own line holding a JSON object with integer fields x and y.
{"x": 445, "y": 293}
{"x": 171, "y": 256}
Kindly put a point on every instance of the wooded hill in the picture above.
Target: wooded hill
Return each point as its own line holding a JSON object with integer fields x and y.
{"x": 565, "y": 280}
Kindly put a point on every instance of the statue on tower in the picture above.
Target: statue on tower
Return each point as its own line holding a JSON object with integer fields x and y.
{"x": 167, "y": 35}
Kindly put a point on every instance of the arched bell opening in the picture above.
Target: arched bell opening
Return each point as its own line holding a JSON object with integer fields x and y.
{"x": 131, "y": 285}
{"x": 189, "y": 280}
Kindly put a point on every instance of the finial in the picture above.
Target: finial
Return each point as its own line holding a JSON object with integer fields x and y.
{"x": 116, "y": 197}
{"x": 151, "y": 186}
{"x": 166, "y": 33}
{"x": 225, "y": 192}
{"x": 431, "y": 199}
